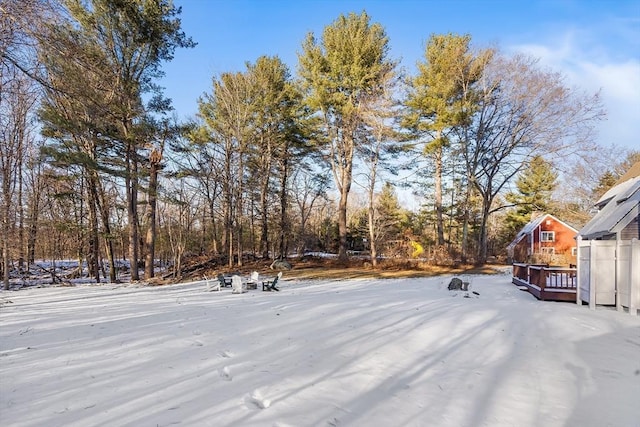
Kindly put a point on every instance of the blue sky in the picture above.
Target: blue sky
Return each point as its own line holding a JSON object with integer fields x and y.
{"x": 594, "y": 43}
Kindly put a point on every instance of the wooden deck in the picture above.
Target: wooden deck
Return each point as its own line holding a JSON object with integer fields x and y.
{"x": 547, "y": 283}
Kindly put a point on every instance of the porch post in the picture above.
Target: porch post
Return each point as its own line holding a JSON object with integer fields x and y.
{"x": 592, "y": 285}
{"x": 579, "y": 241}
{"x": 634, "y": 273}
{"x": 617, "y": 281}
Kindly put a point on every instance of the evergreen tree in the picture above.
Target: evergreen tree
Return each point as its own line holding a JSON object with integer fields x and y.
{"x": 100, "y": 64}
{"x": 389, "y": 214}
{"x": 606, "y": 181}
{"x": 611, "y": 177}
{"x": 535, "y": 185}
{"x": 279, "y": 122}
{"x": 256, "y": 122}
{"x": 440, "y": 99}
{"x": 227, "y": 113}
{"x": 347, "y": 66}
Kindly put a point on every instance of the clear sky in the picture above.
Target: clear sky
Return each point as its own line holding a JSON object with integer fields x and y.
{"x": 594, "y": 43}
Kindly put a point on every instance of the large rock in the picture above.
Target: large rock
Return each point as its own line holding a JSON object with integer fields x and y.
{"x": 280, "y": 264}
{"x": 458, "y": 285}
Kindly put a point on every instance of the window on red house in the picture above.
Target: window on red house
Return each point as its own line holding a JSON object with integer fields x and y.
{"x": 548, "y": 236}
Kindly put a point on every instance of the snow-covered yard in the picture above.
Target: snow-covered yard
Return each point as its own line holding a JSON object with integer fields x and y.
{"x": 396, "y": 352}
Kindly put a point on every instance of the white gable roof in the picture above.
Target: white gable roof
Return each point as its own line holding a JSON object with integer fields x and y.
{"x": 621, "y": 207}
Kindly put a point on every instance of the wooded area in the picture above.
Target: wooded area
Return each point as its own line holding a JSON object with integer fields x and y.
{"x": 95, "y": 168}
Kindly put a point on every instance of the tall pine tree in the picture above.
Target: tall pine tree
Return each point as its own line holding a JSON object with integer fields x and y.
{"x": 535, "y": 185}
{"x": 338, "y": 72}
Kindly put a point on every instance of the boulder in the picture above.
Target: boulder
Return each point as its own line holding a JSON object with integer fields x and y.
{"x": 280, "y": 264}
{"x": 457, "y": 284}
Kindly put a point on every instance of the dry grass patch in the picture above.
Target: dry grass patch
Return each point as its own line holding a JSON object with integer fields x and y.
{"x": 308, "y": 268}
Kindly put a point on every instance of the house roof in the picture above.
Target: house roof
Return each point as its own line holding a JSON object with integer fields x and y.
{"x": 531, "y": 226}
{"x": 629, "y": 175}
{"x": 633, "y": 172}
{"x": 620, "y": 207}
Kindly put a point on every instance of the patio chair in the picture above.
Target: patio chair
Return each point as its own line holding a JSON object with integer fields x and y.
{"x": 271, "y": 285}
{"x": 252, "y": 281}
{"x": 211, "y": 286}
{"x": 237, "y": 285}
{"x": 224, "y": 281}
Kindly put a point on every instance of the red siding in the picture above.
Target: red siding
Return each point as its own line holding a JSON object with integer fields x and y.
{"x": 564, "y": 237}
{"x": 564, "y": 242}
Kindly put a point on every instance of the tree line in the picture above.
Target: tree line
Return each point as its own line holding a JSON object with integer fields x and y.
{"x": 96, "y": 167}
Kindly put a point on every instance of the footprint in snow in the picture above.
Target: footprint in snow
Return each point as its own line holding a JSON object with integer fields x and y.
{"x": 225, "y": 373}
{"x": 226, "y": 354}
{"x": 255, "y": 399}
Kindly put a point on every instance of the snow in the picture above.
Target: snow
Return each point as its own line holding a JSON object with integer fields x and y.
{"x": 393, "y": 352}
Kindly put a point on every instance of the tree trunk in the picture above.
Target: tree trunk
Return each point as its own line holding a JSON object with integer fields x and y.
{"x": 373, "y": 247}
{"x": 438, "y": 195}
{"x": 372, "y": 235}
{"x": 482, "y": 238}
{"x": 178, "y": 261}
{"x": 465, "y": 224}
{"x": 33, "y": 215}
{"x": 264, "y": 219}
{"x": 5, "y": 242}
{"x": 131, "y": 182}
{"x": 21, "y": 245}
{"x": 214, "y": 227}
{"x": 342, "y": 225}
{"x": 32, "y": 234}
{"x": 104, "y": 215}
{"x": 227, "y": 185}
{"x": 81, "y": 220}
{"x": 345, "y": 170}
{"x": 150, "y": 241}
{"x": 93, "y": 257}
{"x": 265, "y": 163}
{"x": 284, "y": 224}
{"x": 239, "y": 209}
{"x": 228, "y": 232}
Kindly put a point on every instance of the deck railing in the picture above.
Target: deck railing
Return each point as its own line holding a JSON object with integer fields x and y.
{"x": 547, "y": 283}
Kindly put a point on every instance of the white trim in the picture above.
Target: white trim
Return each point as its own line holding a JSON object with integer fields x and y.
{"x": 551, "y": 234}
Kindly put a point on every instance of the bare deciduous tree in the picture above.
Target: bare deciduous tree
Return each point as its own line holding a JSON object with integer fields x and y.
{"x": 523, "y": 111}
{"x": 18, "y": 97}
{"x": 378, "y": 115}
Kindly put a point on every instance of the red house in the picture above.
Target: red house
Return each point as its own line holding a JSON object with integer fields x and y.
{"x": 545, "y": 240}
